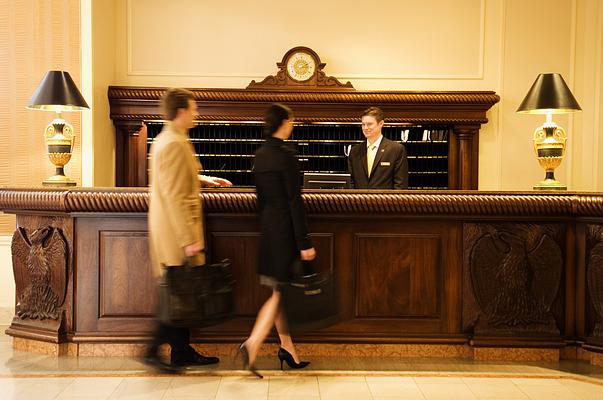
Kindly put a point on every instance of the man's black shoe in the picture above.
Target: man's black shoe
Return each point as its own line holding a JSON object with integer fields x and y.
{"x": 194, "y": 359}
{"x": 155, "y": 362}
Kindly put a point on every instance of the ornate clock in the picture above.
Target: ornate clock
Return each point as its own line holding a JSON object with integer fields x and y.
{"x": 301, "y": 66}
{"x": 300, "y": 69}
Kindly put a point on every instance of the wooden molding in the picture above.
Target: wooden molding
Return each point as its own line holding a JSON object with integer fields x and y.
{"x": 317, "y": 201}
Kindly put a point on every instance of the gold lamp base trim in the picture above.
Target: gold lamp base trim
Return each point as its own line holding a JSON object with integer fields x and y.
{"x": 59, "y": 180}
{"x": 550, "y": 184}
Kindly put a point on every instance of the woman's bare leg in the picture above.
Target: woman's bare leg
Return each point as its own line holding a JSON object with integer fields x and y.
{"x": 263, "y": 325}
{"x": 280, "y": 321}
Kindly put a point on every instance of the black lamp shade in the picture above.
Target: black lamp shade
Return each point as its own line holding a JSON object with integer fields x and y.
{"x": 57, "y": 92}
{"x": 549, "y": 95}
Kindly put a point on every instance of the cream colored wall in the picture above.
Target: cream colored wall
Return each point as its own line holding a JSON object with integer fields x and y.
{"x": 496, "y": 45}
{"x": 102, "y": 75}
{"x": 35, "y": 36}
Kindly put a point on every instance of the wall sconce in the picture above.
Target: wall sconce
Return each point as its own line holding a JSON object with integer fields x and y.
{"x": 549, "y": 95}
{"x": 57, "y": 92}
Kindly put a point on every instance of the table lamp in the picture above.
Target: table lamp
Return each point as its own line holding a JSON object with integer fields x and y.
{"x": 549, "y": 95}
{"x": 57, "y": 92}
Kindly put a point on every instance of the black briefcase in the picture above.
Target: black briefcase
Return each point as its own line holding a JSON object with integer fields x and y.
{"x": 309, "y": 300}
{"x": 195, "y": 296}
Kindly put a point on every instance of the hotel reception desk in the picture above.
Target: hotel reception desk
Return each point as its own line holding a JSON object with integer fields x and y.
{"x": 468, "y": 270}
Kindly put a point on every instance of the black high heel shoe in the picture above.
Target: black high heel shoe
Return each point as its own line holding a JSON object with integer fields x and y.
{"x": 284, "y": 355}
{"x": 245, "y": 354}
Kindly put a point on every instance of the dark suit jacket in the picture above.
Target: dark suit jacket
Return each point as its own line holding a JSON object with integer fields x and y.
{"x": 390, "y": 168}
{"x": 280, "y": 208}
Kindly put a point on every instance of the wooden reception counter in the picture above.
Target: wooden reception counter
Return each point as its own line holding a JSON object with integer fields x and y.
{"x": 471, "y": 269}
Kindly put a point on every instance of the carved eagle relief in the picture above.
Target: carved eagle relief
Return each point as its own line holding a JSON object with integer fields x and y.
{"x": 515, "y": 274}
{"x": 40, "y": 270}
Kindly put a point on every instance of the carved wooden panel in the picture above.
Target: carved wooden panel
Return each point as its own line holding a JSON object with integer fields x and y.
{"x": 115, "y": 290}
{"x": 126, "y": 276}
{"x": 594, "y": 278}
{"x": 42, "y": 265}
{"x": 512, "y": 277}
{"x": 40, "y": 270}
{"x": 398, "y": 275}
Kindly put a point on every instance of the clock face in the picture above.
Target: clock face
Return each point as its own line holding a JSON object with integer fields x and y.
{"x": 301, "y": 66}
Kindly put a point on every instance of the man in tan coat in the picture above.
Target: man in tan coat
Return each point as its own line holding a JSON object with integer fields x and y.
{"x": 175, "y": 215}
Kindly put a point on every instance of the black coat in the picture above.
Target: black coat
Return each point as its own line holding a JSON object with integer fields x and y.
{"x": 390, "y": 168}
{"x": 280, "y": 208}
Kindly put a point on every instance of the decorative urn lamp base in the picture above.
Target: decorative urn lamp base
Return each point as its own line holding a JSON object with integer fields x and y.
{"x": 550, "y": 184}
{"x": 549, "y": 145}
{"x": 58, "y": 180}
{"x": 549, "y": 95}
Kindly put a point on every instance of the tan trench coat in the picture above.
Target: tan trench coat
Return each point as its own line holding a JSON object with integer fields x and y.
{"x": 175, "y": 211}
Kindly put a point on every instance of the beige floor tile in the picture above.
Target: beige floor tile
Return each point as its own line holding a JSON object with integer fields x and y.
{"x": 336, "y": 379}
{"x": 399, "y": 390}
{"x": 390, "y": 379}
{"x": 287, "y": 397}
{"x": 536, "y": 382}
{"x": 439, "y": 380}
{"x": 200, "y": 386}
{"x": 392, "y": 386}
{"x": 147, "y": 388}
{"x": 491, "y": 389}
{"x": 239, "y": 388}
{"x": 293, "y": 386}
{"x": 583, "y": 390}
{"x": 341, "y": 388}
{"x": 36, "y": 388}
{"x": 8, "y": 387}
{"x": 543, "y": 392}
{"x": 101, "y": 388}
{"x": 447, "y": 391}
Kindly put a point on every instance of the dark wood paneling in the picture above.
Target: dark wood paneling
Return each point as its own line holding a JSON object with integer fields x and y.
{"x": 433, "y": 246}
{"x": 101, "y": 310}
{"x": 242, "y": 249}
{"x": 398, "y": 275}
{"x": 126, "y": 276}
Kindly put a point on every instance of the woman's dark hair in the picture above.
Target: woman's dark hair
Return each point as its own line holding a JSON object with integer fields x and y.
{"x": 274, "y": 117}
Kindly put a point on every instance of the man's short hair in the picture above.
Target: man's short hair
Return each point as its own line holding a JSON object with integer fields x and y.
{"x": 374, "y": 112}
{"x": 173, "y": 99}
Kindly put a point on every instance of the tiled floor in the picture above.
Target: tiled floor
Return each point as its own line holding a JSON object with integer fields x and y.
{"x": 38, "y": 377}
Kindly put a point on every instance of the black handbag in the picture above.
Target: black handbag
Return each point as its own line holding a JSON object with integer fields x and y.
{"x": 195, "y": 296}
{"x": 309, "y": 300}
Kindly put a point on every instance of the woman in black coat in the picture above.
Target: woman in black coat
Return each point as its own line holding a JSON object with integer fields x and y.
{"x": 284, "y": 232}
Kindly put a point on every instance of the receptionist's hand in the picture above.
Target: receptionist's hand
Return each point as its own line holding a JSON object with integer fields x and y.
{"x": 308, "y": 254}
{"x": 214, "y": 181}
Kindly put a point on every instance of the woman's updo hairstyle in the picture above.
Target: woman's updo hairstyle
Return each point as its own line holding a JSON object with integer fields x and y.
{"x": 274, "y": 117}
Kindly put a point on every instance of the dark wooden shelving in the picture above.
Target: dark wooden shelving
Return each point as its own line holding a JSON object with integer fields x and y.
{"x": 227, "y": 149}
